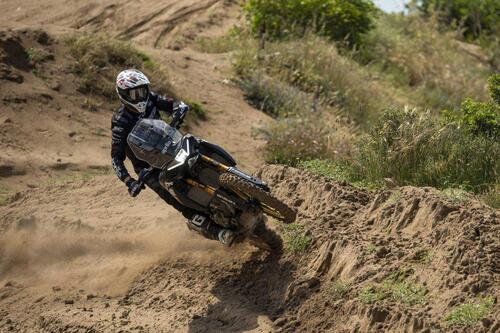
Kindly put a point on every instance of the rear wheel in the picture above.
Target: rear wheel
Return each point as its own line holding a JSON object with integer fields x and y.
{"x": 269, "y": 204}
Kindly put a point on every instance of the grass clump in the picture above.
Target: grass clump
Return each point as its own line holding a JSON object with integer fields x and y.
{"x": 339, "y": 289}
{"x": 37, "y": 56}
{"x": 218, "y": 44}
{"x": 371, "y": 294}
{"x": 371, "y": 248}
{"x": 399, "y": 286}
{"x": 336, "y": 170}
{"x": 98, "y": 60}
{"x": 407, "y": 292}
{"x": 295, "y": 238}
{"x": 274, "y": 97}
{"x": 470, "y": 313}
{"x": 5, "y": 194}
{"x": 414, "y": 148}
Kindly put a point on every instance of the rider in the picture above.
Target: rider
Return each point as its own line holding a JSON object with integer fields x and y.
{"x": 139, "y": 102}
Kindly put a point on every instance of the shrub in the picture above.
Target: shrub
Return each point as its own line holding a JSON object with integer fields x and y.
{"x": 416, "y": 149}
{"x": 483, "y": 118}
{"x": 494, "y": 88}
{"x": 475, "y": 16}
{"x": 336, "y": 19}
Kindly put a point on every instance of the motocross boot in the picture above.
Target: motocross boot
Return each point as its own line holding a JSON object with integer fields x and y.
{"x": 211, "y": 230}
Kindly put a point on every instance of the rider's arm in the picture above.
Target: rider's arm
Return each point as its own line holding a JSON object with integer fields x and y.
{"x": 163, "y": 103}
{"x": 119, "y": 134}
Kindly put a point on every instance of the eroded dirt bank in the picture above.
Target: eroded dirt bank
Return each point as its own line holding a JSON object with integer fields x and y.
{"x": 149, "y": 276}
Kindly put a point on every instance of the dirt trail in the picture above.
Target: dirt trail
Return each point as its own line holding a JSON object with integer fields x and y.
{"x": 71, "y": 238}
{"x": 78, "y": 255}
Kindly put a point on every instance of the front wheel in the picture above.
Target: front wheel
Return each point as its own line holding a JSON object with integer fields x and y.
{"x": 269, "y": 204}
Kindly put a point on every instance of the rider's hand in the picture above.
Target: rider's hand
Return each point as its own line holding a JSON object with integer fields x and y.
{"x": 134, "y": 187}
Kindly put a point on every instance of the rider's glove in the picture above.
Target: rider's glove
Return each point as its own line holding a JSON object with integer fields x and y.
{"x": 134, "y": 187}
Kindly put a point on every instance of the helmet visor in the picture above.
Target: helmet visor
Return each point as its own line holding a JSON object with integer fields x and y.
{"x": 136, "y": 95}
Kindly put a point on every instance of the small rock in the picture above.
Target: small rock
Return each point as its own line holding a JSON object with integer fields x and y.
{"x": 486, "y": 322}
{"x": 56, "y": 288}
{"x": 69, "y": 301}
{"x": 38, "y": 300}
{"x": 382, "y": 252}
{"x": 7, "y": 121}
{"x": 91, "y": 296}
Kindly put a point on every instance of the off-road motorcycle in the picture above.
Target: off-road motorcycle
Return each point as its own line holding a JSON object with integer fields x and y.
{"x": 203, "y": 176}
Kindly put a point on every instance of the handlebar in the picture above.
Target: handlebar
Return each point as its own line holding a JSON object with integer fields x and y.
{"x": 180, "y": 112}
{"x": 143, "y": 175}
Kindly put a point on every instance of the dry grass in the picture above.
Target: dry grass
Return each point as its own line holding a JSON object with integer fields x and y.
{"x": 99, "y": 59}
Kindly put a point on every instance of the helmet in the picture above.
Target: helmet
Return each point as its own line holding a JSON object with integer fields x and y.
{"x": 132, "y": 87}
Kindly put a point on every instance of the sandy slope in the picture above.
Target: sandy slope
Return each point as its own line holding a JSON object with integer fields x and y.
{"x": 69, "y": 237}
{"x": 78, "y": 255}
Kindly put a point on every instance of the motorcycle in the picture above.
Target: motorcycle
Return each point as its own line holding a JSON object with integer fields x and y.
{"x": 203, "y": 176}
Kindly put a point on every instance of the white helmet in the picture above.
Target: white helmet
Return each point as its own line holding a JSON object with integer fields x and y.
{"x": 132, "y": 87}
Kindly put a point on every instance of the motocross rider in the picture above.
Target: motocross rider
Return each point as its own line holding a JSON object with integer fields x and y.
{"x": 139, "y": 102}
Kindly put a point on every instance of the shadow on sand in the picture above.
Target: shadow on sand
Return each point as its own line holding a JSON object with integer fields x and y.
{"x": 257, "y": 290}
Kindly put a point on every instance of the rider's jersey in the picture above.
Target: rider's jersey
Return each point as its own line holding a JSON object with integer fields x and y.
{"x": 123, "y": 122}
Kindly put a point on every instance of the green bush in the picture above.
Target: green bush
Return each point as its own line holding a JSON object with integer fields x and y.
{"x": 341, "y": 20}
{"x": 483, "y": 118}
{"x": 474, "y": 16}
{"x": 494, "y": 88}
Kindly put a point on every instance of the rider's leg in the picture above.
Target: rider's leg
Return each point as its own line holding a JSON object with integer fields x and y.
{"x": 195, "y": 220}
{"x": 211, "y": 230}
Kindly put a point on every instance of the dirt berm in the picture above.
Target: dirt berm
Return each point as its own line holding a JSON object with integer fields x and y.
{"x": 387, "y": 261}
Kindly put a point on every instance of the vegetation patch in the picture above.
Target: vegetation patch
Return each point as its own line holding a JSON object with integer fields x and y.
{"x": 470, "y": 313}
{"x": 37, "y": 55}
{"x": 218, "y": 44}
{"x": 274, "y": 97}
{"x": 400, "y": 286}
{"x": 371, "y": 294}
{"x": 98, "y": 60}
{"x": 295, "y": 238}
{"x": 339, "y": 289}
{"x": 5, "y": 194}
{"x": 341, "y": 20}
